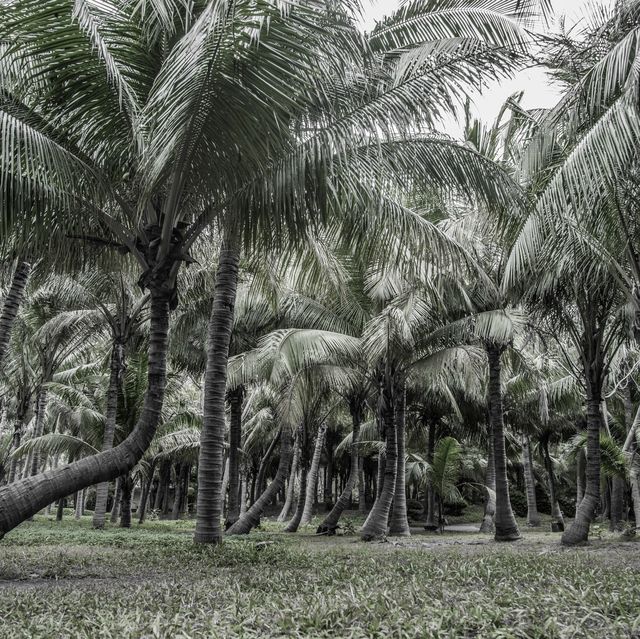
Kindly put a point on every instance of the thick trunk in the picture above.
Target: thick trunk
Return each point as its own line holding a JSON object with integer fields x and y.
{"x": 294, "y": 523}
{"x": 430, "y": 505}
{"x": 330, "y": 522}
{"x": 251, "y": 518}
{"x": 235, "y": 397}
{"x": 505, "y": 522}
{"x": 578, "y": 532}
{"x": 398, "y": 521}
{"x": 375, "y": 526}
{"x": 115, "y": 374}
{"x": 284, "y": 513}
{"x": 210, "y": 465}
{"x": 24, "y": 498}
{"x": 163, "y": 484}
{"x": 11, "y": 305}
{"x": 580, "y": 464}
{"x": 41, "y": 409}
{"x": 312, "y": 491}
{"x": 126, "y": 490}
{"x": 533, "y": 516}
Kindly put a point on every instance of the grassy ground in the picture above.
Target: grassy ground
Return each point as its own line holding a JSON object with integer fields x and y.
{"x": 65, "y": 580}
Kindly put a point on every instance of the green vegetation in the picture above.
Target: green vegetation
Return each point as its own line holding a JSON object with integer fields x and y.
{"x": 66, "y": 580}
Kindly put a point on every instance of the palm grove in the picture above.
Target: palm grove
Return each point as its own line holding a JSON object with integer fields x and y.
{"x": 244, "y": 274}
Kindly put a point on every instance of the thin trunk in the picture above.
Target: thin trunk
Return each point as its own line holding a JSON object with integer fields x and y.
{"x": 126, "y": 491}
{"x": 578, "y": 532}
{"x": 430, "y": 505}
{"x": 312, "y": 492}
{"x": 580, "y": 464}
{"x": 284, "y": 513}
{"x": 117, "y": 495}
{"x": 79, "y": 504}
{"x": 243, "y": 496}
{"x": 177, "y": 498}
{"x": 556, "y": 513}
{"x": 24, "y": 498}
{"x": 380, "y": 475}
{"x": 398, "y": 521}
{"x": 60, "y": 510}
{"x": 115, "y": 374}
{"x": 164, "y": 480}
{"x": 362, "y": 487}
{"x": 41, "y": 409}
{"x": 330, "y": 522}
{"x": 533, "y": 516}
{"x": 375, "y": 526}
{"x": 505, "y": 522}
{"x": 619, "y": 485}
{"x": 264, "y": 463}
{"x": 144, "y": 499}
{"x": 225, "y": 480}
{"x": 294, "y": 523}
{"x": 236, "y": 397}
{"x": 210, "y": 468}
{"x": 11, "y": 305}
{"x": 251, "y": 518}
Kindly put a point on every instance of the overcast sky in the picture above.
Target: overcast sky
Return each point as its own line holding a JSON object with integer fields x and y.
{"x": 539, "y": 92}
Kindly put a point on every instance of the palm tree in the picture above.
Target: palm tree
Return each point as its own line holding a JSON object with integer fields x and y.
{"x": 11, "y": 304}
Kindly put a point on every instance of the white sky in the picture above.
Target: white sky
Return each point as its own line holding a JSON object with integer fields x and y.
{"x": 538, "y": 90}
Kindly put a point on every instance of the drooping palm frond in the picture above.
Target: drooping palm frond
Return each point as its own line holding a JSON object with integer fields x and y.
{"x": 445, "y": 470}
{"x": 56, "y": 444}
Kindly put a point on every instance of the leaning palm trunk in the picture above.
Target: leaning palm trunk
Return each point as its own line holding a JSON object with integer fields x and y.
{"x": 533, "y": 517}
{"x": 294, "y": 523}
{"x": 210, "y": 460}
{"x": 398, "y": 522}
{"x": 24, "y": 498}
{"x": 115, "y": 375}
{"x": 264, "y": 462}
{"x": 505, "y": 522}
{"x": 578, "y": 532}
{"x": 236, "y": 397}
{"x": 375, "y": 525}
{"x": 330, "y": 522}
{"x": 251, "y": 518}
{"x": 313, "y": 476}
{"x": 11, "y": 305}
{"x": 284, "y": 513}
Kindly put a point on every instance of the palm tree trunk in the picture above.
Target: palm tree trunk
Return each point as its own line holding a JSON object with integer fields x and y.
{"x": 431, "y": 493}
{"x": 79, "y": 504}
{"x": 235, "y": 398}
{"x": 505, "y": 522}
{"x": 580, "y": 463}
{"x": 284, "y": 513}
{"x": 294, "y": 523}
{"x": 210, "y": 461}
{"x": 533, "y": 516}
{"x": 330, "y": 522}
{"x": 362, "y": 487}
{"x": 24, "y": 498}
{"x": 126, "y": 490}
{"x": 398, "y": 522}
{"x": 41, "y": 409}
{"x": 251, "y": 518}
{"x": 117, "y": 496}
{"x": 115, "y": 375}
{"x": 243, "y": 496}
{"x": 11, "y": 305}
{"x": 556, "y": 513}
{"x": 144, "y": 499}
{"x": 375, "y": 526}
{"x": 264, "y": 462}
{"x": 578, "y": 532}
{"x": 312, "y": 492}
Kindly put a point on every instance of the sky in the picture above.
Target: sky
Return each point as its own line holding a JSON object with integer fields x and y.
{"x": 539, "y": 92}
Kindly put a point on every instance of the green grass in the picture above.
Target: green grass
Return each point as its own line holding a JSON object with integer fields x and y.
{"x": 65, "y": 580}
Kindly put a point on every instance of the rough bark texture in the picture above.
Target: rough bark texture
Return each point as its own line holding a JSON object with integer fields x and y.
{"x": 578, "y": 532}
{"x": 41, "y": 409}
{"x": 312, "y": 491}
{"x": 556, "y": 513}
{"x": 375, "y": 526}
{"x": 210, "y": 463}
{"x": 251, "y": 518}
{"x": 24, "y": 498}
{"x": 398, "y": 521}
{"x": 505, "y": 522}
{"x": 533, "y": 516}
{"x": 580, "y": 464}
{"x": 330, "y": 522}
{"x": 11, "y": 305}
{"x": 294, "y": 523}
{"x": 487, "y": 525}
{"x": 115, "y": 374}
{"x": 235, "y": 398}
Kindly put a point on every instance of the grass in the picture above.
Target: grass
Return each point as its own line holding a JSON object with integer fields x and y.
{"x": 65, "y": 580}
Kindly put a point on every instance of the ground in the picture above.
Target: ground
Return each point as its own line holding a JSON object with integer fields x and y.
{"x": 66, "y": 580}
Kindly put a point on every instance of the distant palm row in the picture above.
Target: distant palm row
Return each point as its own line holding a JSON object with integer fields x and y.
{"x": 239, "y": 257}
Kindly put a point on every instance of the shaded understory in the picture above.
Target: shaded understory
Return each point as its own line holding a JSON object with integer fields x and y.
{"x": 68, "y": 581}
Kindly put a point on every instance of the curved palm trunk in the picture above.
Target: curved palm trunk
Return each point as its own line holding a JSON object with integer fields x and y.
{"x": 375, "y": 526}
{"x": 284, "y": 513}
{"x": 398, "y": 522}
{"x": 235, "y": 397}
{"x": 533, "y": 516}
{"x": 430, "y": 508}
{"x": 251, "y": 518}
{"x": 330, "y": 522}
{"x": 264, "y": 462}
{"x": 505, "y": 522}
{"x": 578, "y": 532}
{"x": 24, "y": 498}
{"x": 210, "y": 464}
{"x": 115, "y": 374}
{"x": 312, "y": 477}
{"x": 294, "y": 523}
{"x": 11, "y": 305}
